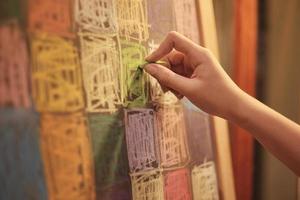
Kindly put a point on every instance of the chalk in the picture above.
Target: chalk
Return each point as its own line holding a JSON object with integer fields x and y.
{"x": 160, "y": 62}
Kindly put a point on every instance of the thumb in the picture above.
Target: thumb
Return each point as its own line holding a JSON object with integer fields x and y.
{"x": 170, "y": 79}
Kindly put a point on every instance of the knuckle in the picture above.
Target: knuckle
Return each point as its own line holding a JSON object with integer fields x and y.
{"x": 173, "y": 34}
{"x": 206, "y": 53}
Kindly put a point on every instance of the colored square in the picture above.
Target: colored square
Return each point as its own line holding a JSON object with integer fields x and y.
{"x": 96, "y": 15}
{"x": 147, "y": 185}
{"x": 171, "y": 133}
{"x": 51, "y": 16}
{"x": 186, "y": 19}
{"x": 110, "y": 155}
{"x": 204, "y": 182}
{"x": 161, "y": 18}
{"x": 56, "y": 74}
{"x": 66, "y": 148}
{"x": 158, "y": 96}
{"x": 14, "y": 64}
{"x": 135, "y": 80}
{"x": 132, "y": 20}
{"x": 177, "y": 185}
{"x": 21, "y": 169}
{"x": 102, "y": 70}
{"x": 199, "y": 133}
{"x": 142, "y": 146}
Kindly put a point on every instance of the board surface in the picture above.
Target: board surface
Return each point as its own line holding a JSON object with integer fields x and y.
{"x": 104, "y": 130}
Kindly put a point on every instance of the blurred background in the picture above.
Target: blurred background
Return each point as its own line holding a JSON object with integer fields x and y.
{"x": 273, "y": 66}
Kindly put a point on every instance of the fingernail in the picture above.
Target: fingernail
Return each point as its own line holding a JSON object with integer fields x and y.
{"x": 150, "y": 68}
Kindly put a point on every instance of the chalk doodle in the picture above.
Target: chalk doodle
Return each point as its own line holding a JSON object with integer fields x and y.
{"x": 66, "y": 151}
{"x": 204, "y": 182}
{"x": 96, "y": 15}
{"x": 161, "y": 19}
{"x": 152, "y": 46}
{"x": 186, "y": 19}
{"x": 136, "y": 84}
{"x": 132, "y": 20}
{"x": 14, "y": 83}
{"x": 176, "y": 185}
{"x": 157, "y": 95}
{"x": 172, "y": 136}
{"x": 52, "y": 16}
{"x": 56, "y": 74}
{"x": 147, "y": 185}
{"x": 141, "y": 144}
{"x": 102, "y": 71}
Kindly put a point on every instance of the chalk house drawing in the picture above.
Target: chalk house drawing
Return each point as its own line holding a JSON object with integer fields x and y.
{"x": 56, "y": 74}
{"x": 101, "y": 67}
{"x": 141, "y": 144}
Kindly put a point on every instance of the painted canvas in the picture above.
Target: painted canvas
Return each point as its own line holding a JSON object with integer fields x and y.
{"x": 78, "y": 121}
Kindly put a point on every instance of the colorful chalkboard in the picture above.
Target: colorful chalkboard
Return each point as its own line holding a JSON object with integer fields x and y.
{"x": 77, "y": 122}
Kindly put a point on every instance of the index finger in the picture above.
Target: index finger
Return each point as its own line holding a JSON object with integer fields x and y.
{"x": 173, "y": 40}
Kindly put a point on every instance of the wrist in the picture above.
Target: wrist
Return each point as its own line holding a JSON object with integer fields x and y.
{"x": 239, "y": 111}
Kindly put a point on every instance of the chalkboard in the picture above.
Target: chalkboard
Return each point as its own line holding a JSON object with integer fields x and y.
{"x": 80, "y": 121}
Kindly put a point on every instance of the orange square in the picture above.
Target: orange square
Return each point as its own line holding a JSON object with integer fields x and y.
{"x": 52, "y": 16}
{"x": 67, "y": 156}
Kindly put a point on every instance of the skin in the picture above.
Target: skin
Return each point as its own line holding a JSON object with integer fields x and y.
{"x": 195, "y": 73}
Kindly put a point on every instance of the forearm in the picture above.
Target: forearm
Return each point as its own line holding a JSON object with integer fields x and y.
{"x": 275, "y": 132}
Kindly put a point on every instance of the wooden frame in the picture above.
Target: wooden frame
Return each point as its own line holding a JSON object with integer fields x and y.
{"x": 221, "y": 135}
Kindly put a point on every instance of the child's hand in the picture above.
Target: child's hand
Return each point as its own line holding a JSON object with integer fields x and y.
{"x": 195, "y": 73}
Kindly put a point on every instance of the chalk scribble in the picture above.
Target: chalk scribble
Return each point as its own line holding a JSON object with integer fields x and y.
{"x": 172, "y": 136}
{"x": 141, "y": 144}
{"x": 132, "y": 20}
{"x": 204, "y": 182}
{"x": 14, "y": 83}
{"x": 135, "y": 84}
{"x": 67, "y": 156}
{"x": 176, "y": 185}
{"x": 102, "y": 71}
{"x": 51, "y": 16}
{"x": 56, "y": 74}
{"x": 96, "y": 15}
{"x": 147, "y": 185}
{"x": 186, "y": 19}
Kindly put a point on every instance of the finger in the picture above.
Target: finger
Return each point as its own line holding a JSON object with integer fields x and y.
{"x": 179, "y": 63}
{"x": 175, "y": 58}
{"x": 169, "y": 78}
{"x": 173, "y": 40}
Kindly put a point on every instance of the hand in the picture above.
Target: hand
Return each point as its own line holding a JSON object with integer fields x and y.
{"x": 195, "y": 73}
